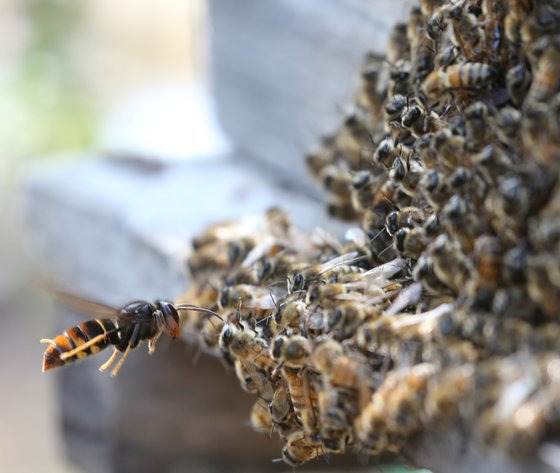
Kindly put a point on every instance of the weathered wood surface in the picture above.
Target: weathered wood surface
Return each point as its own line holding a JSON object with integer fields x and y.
{"x": 284, "y": 71}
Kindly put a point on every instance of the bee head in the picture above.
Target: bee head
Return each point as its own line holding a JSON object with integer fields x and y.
{"x": 276, "y": 347}
{"x": 226, "y": 336}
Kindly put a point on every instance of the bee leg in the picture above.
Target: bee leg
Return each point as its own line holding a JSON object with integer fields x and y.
{"x": 152, "y": 342}
{"x": 110, "y": 361}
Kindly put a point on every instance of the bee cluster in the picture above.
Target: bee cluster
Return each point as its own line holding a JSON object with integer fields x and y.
{"x": 443, "y": 305}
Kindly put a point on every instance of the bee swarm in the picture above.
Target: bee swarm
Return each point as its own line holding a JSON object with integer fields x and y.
{"x": 443, "y": 306}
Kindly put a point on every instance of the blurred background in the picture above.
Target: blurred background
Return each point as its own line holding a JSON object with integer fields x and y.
{"x": 70, "y": 74}
{"x": 184, "y": 93}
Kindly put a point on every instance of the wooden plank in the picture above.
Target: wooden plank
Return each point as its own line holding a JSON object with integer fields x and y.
{"x": 283, "y": 71}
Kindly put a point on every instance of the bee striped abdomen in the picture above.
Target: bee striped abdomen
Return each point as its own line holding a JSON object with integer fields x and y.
{"x": 75, "y": 337}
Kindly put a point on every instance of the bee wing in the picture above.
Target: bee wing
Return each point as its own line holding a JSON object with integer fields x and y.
{"x": 266, "y": 301}
{"x": 410, "y": 295}
{"x": 431, "y": 315}
{"x": 365, "y": 299}
{"x": 377, "y": 277}
{"x": 258, "y": 252}
{"x": 386, "y": 270}
{"x": 347, "y": 258}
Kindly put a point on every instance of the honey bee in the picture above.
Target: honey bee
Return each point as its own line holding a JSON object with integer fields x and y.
{"x": 518, "y": 81}
{"x": 348, "y": 316}
{"x": 373, "y": 84}
{"x": 517, "y": 11}
{"x": 423, "y": 271}
{"x": 253, "y": 301}
{"x": 420, "y": 121}
{"x": 354, "y": 137}
{"x": 125, "y": 330}
{"x": 445, "y": 393}
{"x": 280, "y": 406}
{"x": 337, "y": 181}
{"x": 364, "y": 188}
{"x": 437, "y": 23}
{"x": 398, "y": 48}
{"x": 208, "y": 258}
{"x": 214, "y": 233}
{"x": 393, "y": 412}
{"x": 340, "y": 371}
{"x": 421, "y": 46}
{"x": 407, "y": 173}
{"x": 494, "y": 161}
{"x": 385, "y": 153}
{"x": 468, "y": 33}
{"x": 546, "y": 81}
{"x": 508, "y": 126}
{"x": 494, "y": 12}
{"x": 322, "y": 157}
{"x": 293, "y": 354}
{"x": 327, "y": 294}
{"x": 477, "y": 131}
{"x": 292, "y": 351}
{"x": 343, "y": 210}
{"x": 404, "y": 405}
{"x": 252, "y": 380}
{"x": 245, "y": 345}
{"x": 540, "y": 286}
{"x": 394, "y": 107}
{"x": 411, "y": 242}
{"x": 468, "y": 75}
{"x": 260, "y": 418}
{"x": 528, "y": 425}
{"x": 276, "y": 267}
{"x": 435, "y": 188}
{"x": 463, "y": 223}
{"x": 409, "y": 217}
{"x": 323, "y": 271}
{"x": 450, "y": 264}
{"x": 423, "y": 147}
{"x": 449, "y": 146}
{"x": 399, "y": 77}
{"x": 335, "y": 428}
{"x": 372, "y": 430}
{"x": 300, "y": 448}
{"x": 448, "y": 55}
{"x": 239, "y": 249}
{"x": 290, "y": 313}
{"x": 428, "y": 6}
{"x": 544, "y": 21}
{"x": 488, "y": 254}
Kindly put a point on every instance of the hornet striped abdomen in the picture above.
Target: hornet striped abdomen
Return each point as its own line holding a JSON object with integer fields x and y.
{"x": 75, "y": 337}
